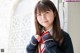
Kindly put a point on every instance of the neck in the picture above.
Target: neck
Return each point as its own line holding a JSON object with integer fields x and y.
{"x": 48, "y": 28}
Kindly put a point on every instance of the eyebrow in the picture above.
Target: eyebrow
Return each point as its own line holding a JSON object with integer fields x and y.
{"x": 44, "y": 11}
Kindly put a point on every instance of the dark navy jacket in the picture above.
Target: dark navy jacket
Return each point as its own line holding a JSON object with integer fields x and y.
{"x": 52, "y": 46}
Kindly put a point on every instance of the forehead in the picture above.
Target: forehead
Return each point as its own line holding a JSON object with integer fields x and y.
{"x": 42, "y": 10}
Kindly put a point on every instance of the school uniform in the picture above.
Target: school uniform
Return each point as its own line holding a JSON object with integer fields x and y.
{"x": 49, "y": 45}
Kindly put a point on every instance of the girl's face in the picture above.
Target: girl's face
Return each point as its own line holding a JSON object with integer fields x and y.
{"x": 46, "y": 19}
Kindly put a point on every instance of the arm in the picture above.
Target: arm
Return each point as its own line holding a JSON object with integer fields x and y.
{"x": 52, "y": 46}
{"x": 31, "y": 48}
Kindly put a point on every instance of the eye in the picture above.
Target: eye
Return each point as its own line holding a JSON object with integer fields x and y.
{"x": 47, "y": 12}
{"x": 38, "y": 14}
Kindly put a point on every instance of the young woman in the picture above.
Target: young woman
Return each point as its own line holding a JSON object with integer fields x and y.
{"x": 49, "y": 37}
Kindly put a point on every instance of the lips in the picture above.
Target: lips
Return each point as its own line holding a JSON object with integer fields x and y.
{"x": 45, "y": 21}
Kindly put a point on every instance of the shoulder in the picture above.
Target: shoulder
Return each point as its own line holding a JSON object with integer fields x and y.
{"x": 67, "y": 39}
{"x": 67, "y": 42}
{"x": 65, "y": 34}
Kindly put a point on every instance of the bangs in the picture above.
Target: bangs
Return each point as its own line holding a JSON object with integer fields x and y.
{"x": 42, "y": 8}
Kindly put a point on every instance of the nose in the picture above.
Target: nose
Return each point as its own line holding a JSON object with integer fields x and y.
{"x": 43, "y": 16}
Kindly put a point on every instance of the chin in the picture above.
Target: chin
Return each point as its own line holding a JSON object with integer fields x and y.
{"x": 45, "y": 26}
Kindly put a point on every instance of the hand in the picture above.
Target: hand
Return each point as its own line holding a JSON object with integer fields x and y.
{"x": 38, "y": 37}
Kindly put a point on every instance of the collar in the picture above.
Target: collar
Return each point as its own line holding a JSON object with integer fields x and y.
{"x": 50, "y": 30}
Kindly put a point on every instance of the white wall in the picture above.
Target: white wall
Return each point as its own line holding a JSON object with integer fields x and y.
{"x": 6, "y": 7}
{"x": 74, "y": 24}
{"x": 21, "y": 26}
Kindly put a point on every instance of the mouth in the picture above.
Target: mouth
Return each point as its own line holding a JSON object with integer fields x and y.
{"x": 45, "y": 21}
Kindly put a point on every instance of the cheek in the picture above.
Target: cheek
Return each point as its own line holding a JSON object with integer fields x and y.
{"x": 39, "y": 20}
{"x": 50, "y": 18}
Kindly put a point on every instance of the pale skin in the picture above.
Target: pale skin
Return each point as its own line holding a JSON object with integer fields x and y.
{"x": 46, "y": 20}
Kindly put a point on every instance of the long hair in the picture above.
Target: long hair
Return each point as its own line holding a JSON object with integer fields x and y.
{"x": 45, "y": 5}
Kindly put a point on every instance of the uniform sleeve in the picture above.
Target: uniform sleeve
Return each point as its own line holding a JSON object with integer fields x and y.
{"x": 31, "y": 48}
{"x": 52, "y": 46}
